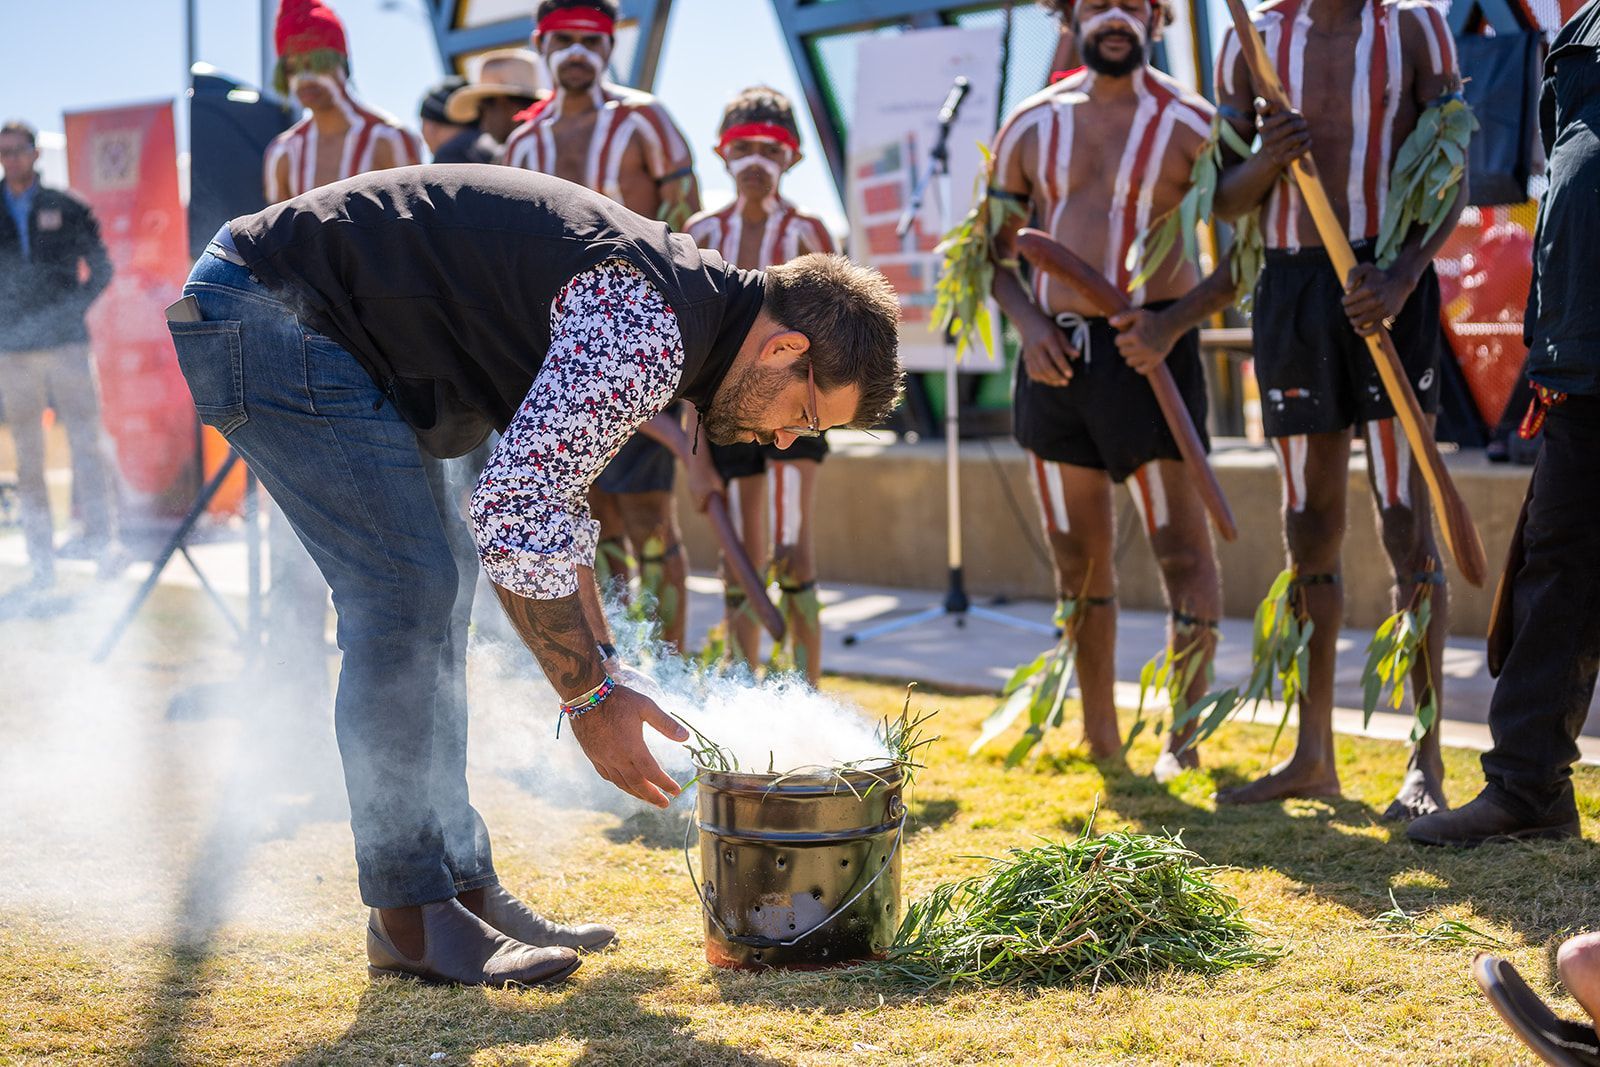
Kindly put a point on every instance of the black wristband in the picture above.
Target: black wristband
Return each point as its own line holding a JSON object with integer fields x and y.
{"x": 608, "y": 651}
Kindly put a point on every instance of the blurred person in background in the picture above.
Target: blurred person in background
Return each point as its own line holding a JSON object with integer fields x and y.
{"x": 620, "y": 142}
{"x": 438, "y": 132}
{"x": 52, "y": 267}
{"x": 337, "y": 138}
{"x": 507, "y": 84}
{"x": 759, "y": 141}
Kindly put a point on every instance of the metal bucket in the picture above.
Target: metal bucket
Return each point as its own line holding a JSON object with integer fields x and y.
{"x": 799, "y": 871}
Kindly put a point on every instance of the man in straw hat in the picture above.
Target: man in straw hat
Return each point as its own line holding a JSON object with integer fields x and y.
{"x": 507, "y": 84}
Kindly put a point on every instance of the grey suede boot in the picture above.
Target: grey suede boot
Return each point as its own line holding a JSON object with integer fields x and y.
{"x": 460, "y": 949}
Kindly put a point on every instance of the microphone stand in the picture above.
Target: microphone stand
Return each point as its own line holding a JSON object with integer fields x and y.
{"x": 957, "y": 606}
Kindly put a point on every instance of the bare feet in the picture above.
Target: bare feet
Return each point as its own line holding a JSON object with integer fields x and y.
{"x": 1422, "y": 790}
{"x": 1292, "y": 778}
{"x": 1173, "y": 763}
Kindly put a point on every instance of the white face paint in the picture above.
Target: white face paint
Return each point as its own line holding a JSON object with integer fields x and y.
{"x": 1089, "y": 26}
{"x": 581, "y": 54}
{"x": 738, "y": 166}
{"x": 307, "y": 77}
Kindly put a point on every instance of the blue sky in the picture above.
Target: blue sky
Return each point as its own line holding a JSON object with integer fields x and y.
{"x": 68, "y": 55}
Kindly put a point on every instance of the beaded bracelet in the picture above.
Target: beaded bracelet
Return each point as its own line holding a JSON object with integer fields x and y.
{"x": 581, "y": 704}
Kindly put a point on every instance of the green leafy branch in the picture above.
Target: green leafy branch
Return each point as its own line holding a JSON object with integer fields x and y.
{"x": 966, "y": 274}
{"x": 1155, "y": 244}
{"x": 1427, "y": 170}
{"x": 1280, "y": 658}
{"x": 1174, "y": 671}
{"x": 1395, "y": 649}
{"x": 1038, "y": 688}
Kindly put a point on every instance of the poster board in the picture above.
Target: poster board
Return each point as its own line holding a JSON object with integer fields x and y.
{"x": 902, "y": 79}
{"x": 124, "y": 163}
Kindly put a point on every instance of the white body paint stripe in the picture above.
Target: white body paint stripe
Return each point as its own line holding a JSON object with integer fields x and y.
{"x": 1150, "y": 497}
{"x": 1360, "y": 126}
{"x": 1112, "y": 266}
{"x": 784, "y": 482}
{"x": 1052, "y": 499}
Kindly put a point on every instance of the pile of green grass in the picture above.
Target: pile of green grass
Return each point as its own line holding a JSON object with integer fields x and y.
{"x": 1121, "y": 907}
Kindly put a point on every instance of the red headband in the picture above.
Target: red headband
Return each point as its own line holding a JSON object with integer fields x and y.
{"x": 577, "y": 20}
{"x": 759, "y": 131}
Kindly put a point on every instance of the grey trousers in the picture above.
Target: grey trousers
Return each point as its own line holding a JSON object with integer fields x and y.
{"x": 61, "y": 378}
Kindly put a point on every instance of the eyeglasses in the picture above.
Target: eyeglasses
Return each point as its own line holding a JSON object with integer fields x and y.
{"x": 815, "y": 428}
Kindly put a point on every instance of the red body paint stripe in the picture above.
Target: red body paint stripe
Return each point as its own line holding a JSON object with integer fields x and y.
{"x": 1391, "y": 461}
{"x": 1141, "y": 160}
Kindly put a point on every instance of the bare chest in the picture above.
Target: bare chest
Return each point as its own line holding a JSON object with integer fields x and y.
{"x": 330, "y": 161}
{"x": 574, "y": 139}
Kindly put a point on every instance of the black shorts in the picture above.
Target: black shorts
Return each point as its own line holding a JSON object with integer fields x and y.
{"x": 750, "y": 459}
{"x": 1313, "y": 369}
{"x": 1106, "y": 418}
{"x": 643, "y": 466}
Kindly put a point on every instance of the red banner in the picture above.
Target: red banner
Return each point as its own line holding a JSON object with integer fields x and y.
{"x": 123, "y": 161}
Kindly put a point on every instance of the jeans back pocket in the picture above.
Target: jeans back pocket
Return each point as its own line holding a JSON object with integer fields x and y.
{"x": 211, "y": 358}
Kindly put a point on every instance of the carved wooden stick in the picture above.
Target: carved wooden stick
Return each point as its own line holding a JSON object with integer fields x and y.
{"x": 664, "y": 429}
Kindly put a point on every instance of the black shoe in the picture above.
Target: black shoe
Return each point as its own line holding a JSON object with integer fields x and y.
{"x": 460, "y": 949}
{"x": 1487, "y": 817}
{"x": 516, "y": 920}
{"x": 1557, "y": 1041}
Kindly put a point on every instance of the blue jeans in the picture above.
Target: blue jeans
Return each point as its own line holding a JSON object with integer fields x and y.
{"x": 348, "y": 474}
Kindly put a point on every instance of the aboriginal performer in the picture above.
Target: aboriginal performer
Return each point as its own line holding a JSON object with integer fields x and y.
{"x": 1095, "y": 158}
{"x": 1372, "y": 82}
{"x": 759, "y": 141}
{"x": 337, "y": 338}
{"x": 620, "y": 142}
{"x": 337, "y": 137}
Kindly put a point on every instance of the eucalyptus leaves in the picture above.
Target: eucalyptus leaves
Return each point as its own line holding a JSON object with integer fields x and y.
{"x": 1039, "y": 688}
{"x": 1427, "y": 171}
{"x": 1397, "y": 647}
{"x": 1280, "y": 654}
{"x": 1151, "y": 249}
{"x": 966, "y": 275}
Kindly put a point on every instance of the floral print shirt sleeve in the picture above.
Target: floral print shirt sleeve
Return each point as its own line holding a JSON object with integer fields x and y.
{"x": 615, "y": 360}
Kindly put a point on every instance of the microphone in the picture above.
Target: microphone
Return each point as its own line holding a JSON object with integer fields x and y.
{"x": 952, "y": 103}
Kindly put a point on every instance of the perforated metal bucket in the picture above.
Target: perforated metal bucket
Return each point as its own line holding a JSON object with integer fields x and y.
{"x": 799, "y": 871}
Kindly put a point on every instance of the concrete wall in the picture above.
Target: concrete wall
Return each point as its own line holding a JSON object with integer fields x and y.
{"x": 881, "y": 520}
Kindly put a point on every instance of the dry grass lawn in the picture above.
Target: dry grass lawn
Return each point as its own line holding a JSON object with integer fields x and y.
{"x": 158, "y": 905}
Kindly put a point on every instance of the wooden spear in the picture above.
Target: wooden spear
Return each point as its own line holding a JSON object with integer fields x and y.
{"x": 1055, "y": 259}
{"x": 1460, "y": 536}
{"x": 665, "y": 429}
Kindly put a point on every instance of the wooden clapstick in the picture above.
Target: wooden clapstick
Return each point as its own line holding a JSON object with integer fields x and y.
{"x": 1055, "y": 259}
{"x": 1460, "y": 535}
{"x": 665, "y": 429}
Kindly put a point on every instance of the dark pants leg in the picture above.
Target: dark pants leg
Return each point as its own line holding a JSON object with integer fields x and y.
{"x": 1545, "y": 686}
{"x": 346, "y": 470}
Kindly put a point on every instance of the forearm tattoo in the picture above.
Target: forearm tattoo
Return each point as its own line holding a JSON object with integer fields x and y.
{"x": 559, "y": 637}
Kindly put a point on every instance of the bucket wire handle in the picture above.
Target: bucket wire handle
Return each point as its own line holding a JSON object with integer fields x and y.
{"x": 767, "y": 942}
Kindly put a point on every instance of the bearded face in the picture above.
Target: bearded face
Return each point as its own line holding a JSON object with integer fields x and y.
{"x": 577, "y": 60}
{"x": 745, "y": 402}
{"x": 1113, "y": 41}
